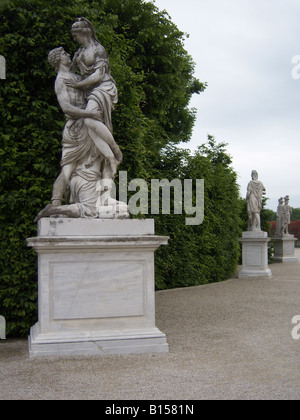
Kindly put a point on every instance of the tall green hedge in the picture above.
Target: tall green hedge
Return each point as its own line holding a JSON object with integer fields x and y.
{"x": 154, "y": 75}
{"x": 208, "y": 252}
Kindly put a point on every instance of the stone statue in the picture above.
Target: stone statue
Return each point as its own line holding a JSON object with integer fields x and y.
{"x": 279, "y": 223}
{"x": 92, "y": 61}
{"x": 284, "y": 242}
{"x": 287, "y": 212}
{"x": 90, "y": 155}
{"x": 255, "y": 191}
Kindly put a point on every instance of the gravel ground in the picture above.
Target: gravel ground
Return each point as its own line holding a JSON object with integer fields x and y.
{"x": 230, "y": 340}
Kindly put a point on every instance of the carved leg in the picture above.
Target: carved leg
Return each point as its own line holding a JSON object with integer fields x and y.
{"x": 71, "y": 210}
{"x": 61, "y": 184}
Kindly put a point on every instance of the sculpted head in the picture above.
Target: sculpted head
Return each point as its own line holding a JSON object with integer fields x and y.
{"x": 58, "y": 56}
{"x": 83, "y": 29}
{"x": 254, "y": 175}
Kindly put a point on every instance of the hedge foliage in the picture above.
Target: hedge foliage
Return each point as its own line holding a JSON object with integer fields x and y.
{"x": 154, "y": 75}
{"x": 208, "y": 252}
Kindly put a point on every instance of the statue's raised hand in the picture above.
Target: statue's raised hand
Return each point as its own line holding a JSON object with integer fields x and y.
{"x": 72, "y": 83}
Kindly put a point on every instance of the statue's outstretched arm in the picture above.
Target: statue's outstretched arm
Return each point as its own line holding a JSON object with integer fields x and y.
{"x": 94, "y": 79}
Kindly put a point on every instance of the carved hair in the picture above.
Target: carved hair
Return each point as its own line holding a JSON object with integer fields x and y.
{"x": 54, "y": 57}
{"x": 254, "y": 173}
{"x": 84, "y": 26}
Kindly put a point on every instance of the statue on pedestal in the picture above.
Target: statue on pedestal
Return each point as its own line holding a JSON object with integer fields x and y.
{"x": 255, "y": 191}
{"x": 284, "y": 242}
{"x": 90, "y": 155}
{"x": 255, "y": 241}
{"x": 96, "y": 287}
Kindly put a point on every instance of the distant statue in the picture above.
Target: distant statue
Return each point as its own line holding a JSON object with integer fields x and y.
{"x": 2, "y": 328}
{"x": 287, "y": 213}
{"x": 2, "y": 67}
{"x": 279, "y": 223}
{"x": 89, "y": 149}
{"x": 255, "y": 191}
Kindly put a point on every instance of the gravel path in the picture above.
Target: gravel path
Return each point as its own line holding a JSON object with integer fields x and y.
{"x": 230, "y": 340}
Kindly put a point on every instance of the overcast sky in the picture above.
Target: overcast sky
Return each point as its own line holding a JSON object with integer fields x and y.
{"x": 244, "y": 50}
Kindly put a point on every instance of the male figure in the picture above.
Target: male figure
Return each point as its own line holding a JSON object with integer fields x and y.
{"x": 83, "y": 154}
{"x": 279, "y": 224}
{"x": 255, "y": 192}
{"x": 286, "y": 215}
{"x": 73, "y": 102}
{"x": 85, "y": 194}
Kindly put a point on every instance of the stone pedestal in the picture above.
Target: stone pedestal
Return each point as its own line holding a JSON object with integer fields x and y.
{"x": 255, "y": 255}
{"x": 95, "y": 288}
{"x": 284, "y": 249}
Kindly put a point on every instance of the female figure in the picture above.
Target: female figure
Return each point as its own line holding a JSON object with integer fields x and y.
{"x": 84, "y": 163}
{"x": 97, "y": 83}
{"x": 77, "y": 140}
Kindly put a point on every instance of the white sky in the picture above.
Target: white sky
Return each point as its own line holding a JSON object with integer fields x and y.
{"x": 244, "y": 50}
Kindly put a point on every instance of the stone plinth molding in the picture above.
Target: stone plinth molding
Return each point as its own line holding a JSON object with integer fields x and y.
{"x": 255, "y": 255}
{"x": 96, "y": 288}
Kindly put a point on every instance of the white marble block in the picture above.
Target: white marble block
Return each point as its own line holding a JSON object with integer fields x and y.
{"x": 96, "y": 288}
{"x": 284, "y": 249}
{"x": 255, "y": 254}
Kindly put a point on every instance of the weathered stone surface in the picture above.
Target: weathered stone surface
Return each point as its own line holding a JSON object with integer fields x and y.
{"x": 96, "y": 292}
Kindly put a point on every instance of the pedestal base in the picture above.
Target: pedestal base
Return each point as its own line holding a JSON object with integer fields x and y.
{"x": 255, "y": 255}
{"x": 89, "y": 343}
{"x": 96, "y": 288}
{"x": 284, "y": 247}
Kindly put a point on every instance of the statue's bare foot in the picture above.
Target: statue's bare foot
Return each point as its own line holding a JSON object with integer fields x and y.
{"x": 106, "y": 200}
{"x": 56, "y": 202}
{"x": 46, "y": 212}
{"x": 118, "y": 154}
{"x": 116, "y": 151}
{"x": 114, "y": 167}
